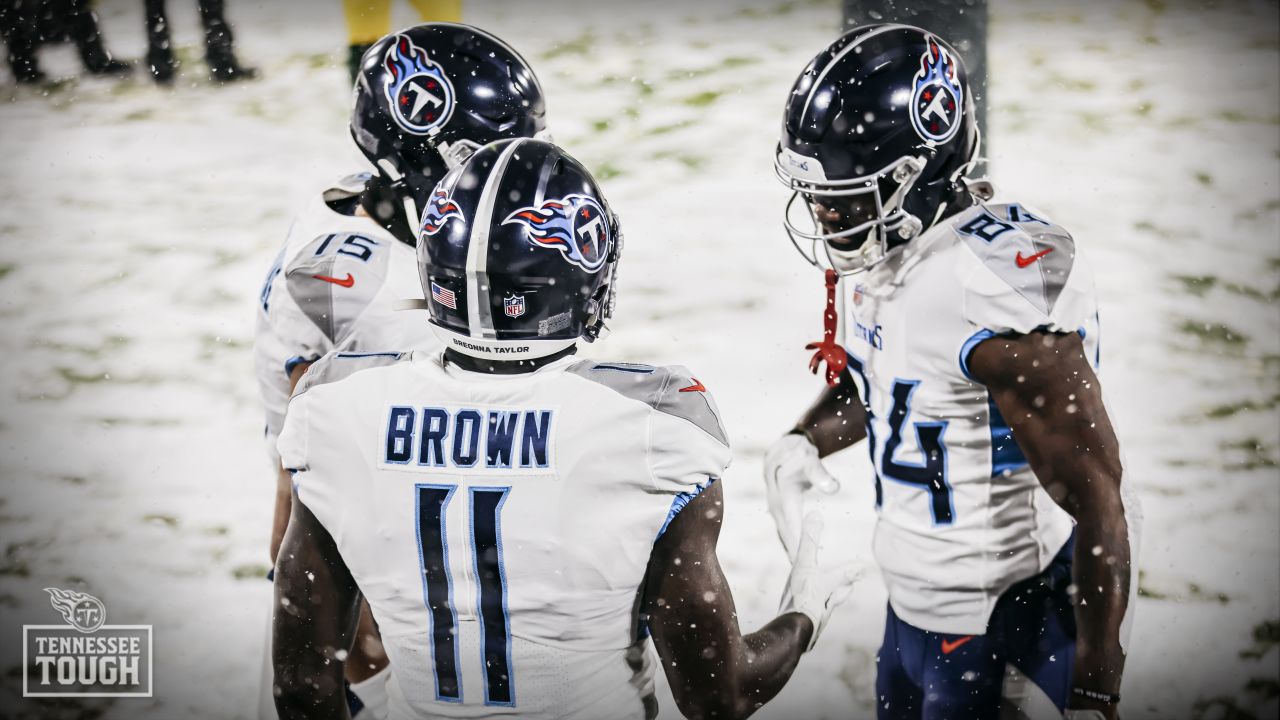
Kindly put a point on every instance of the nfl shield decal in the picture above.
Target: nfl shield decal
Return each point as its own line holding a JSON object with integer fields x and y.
{"x": 420, "y": 95}
{"x": 513, "y": 306}
{"x": 575, "y": 225}
{"x": 938, "y": 100}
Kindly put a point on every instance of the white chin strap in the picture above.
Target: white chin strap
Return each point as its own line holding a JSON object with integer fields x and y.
{"x": 490, "y": 349}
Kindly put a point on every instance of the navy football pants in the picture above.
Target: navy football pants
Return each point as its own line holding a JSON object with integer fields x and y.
{"x": 924, "y": 675}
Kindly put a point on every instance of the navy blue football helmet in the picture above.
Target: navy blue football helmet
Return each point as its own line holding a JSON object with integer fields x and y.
{"x": 878, "y": 138}
{"x": 430, "y": 95}
{"x": 518, "y": 253}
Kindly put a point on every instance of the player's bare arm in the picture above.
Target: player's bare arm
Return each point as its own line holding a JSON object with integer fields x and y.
{"x": 714, "y": 670}
{"x": 1044, "y": 386}
{"x": 317, "y": 606}
{"x": 284, "y": 482}
{"x": 836, "y": 420}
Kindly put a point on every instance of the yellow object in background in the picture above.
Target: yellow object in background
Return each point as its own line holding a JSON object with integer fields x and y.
{"x": 369, "y": 20}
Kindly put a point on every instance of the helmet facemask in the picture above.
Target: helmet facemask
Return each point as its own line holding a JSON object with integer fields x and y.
{"x": 873, "y": 204}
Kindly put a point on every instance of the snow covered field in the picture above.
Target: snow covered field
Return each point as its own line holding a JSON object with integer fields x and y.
{"x": 137, "y": 225}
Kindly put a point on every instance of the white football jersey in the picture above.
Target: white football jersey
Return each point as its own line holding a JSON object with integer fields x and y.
{"x": 961, "y": 515}
{"x": 500, "y": 526}
{"x": 334, "y": 286}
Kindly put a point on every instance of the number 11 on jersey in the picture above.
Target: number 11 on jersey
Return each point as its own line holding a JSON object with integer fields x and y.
{"x": 485, "y": 509}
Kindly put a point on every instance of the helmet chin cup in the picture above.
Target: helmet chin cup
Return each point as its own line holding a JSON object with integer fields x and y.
{"x": 911, "y": 227}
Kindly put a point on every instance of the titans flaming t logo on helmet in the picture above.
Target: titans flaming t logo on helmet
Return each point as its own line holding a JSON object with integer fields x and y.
{"x": 575, "y": 225}
{"x": 440, "y": 210}
{"x": 420, "y": 95}
{"x": 937, "y": 102}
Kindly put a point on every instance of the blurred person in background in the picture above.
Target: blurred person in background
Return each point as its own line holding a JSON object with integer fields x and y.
{"x": 25, "y": 25}
{"x": 219, "y": 50}
{"x": 368, "y": 20}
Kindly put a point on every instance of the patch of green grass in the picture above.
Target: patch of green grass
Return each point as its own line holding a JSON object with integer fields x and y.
{"x": 249, "y": 571}
{"x": 663, "y": 129}
{"x": 736, "y": 62}
{"x": 140, "y": 114}
{"x": 1214, "y": 333}
{"x": 1252, "y": 454}
{"x": 1235, "y": 116}
{"x": 75, "y": 377}
{"x": 1143, "y": 109}
{"x": 111, "y": 422}
{"x": 1193, "y": 593}
{"x": 1266, "y": 688}
{"x": 606, "y": 171}
{"x": 1227, "y": 410}
{"x": 580, "y": 45}
{"x": 1204, "y": 178}
{"x": 5, "y": 269}
{"x": 1198, "y": 285}
{"x": 1219, "y": 708}
{"x": 692, "y": 162}
{"x": 702, "y": 99}
{"x": 602, "y": 124}
{"x": 162, "y": 519}
{"x": 1073, "y": 84}
{"x": 1253, "y": 293}
{"x": 108, "y": 345}
{"x": 317, "y": 61}
{"x": 1266, "y": 634}
{"x": 14, "y": 562}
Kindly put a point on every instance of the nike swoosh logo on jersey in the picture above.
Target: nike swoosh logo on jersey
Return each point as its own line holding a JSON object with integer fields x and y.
{"x": 347, "y": 281}
{"x": 1025, "y": 261}
{"x": 697, "y": 386}
{"x": 949, "y": 646}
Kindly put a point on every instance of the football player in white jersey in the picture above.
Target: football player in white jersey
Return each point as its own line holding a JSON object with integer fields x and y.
{"x": 965, "y": 358}
{"x": 426, "y": 97}
{"x": 518, "y": 519}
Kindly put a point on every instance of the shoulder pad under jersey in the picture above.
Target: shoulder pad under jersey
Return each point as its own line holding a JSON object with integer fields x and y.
{"x": 338, "y": 366}
{"x": 670, "y": 389}
{"x": 335, "y": 277}
{"x": 348, "y": 187}
{"x": 1029, "y": 253}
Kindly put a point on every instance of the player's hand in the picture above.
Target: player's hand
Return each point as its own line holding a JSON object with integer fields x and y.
{"x": 792, "y": 467}
{"x": 811, "y": 590}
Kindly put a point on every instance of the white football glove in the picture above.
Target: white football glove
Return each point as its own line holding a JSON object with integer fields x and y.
{"x": 792, "y": 467}
{"x": 811, "y": 590}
